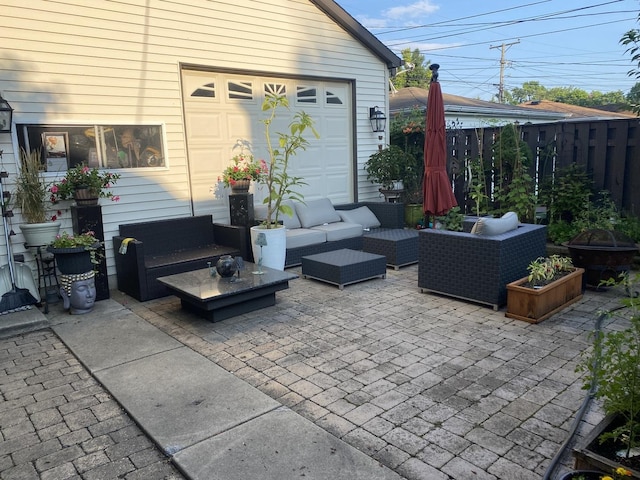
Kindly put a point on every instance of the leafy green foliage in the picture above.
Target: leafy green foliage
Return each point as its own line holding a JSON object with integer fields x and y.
{"x": 566, "y": 192}
{"x": 614, "y": 367}
{"x": 389, "y": 165}
{"x": 280, "y": 184}
{"x": 514, "y": 186}
{"x": 452, "y": 220}
{"x": 418, "y": 76}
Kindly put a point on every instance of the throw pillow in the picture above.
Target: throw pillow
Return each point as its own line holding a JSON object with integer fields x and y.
{"x": 316, "y": 212}
{"x": 488, "y": 226}
{"x": 361, "y": 215}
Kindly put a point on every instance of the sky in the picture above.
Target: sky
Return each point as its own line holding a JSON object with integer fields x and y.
{"x": 558, "y": 43}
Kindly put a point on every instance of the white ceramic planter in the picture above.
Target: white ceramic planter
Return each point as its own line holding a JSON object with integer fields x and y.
{"x": 274, "y": 252}
{"x": 39, "y": 234}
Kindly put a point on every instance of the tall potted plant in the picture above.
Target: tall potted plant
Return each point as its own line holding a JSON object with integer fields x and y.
{"x": 279, "y": 184}
{"x": 32, "y": 198}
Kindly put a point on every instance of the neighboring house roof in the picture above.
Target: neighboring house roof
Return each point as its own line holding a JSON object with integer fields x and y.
{"x": 410, "y": 97}
{"x": 353, "y": 27}
{"x": 574, "y": 112}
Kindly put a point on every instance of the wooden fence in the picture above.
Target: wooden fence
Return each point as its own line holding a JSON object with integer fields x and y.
{"x": 608, "y": 149}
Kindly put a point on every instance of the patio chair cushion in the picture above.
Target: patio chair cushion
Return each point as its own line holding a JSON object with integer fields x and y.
{"x": 488, "y": 226}
{"x": 362, "y": 215}
{"x": 316, "y": 212}
{"x": 339, "y": 230}
{"x": 302, "y": 237}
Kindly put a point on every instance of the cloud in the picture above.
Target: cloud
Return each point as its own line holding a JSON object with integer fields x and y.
{"x": 423, "y": 7}
{"x": 408, "y": 15}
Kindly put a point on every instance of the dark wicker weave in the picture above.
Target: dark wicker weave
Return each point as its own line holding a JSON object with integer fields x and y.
{"x": 400, "y": 247}
{"x": 343, "y": 267}
{"x": 474, "y": 267}
{"x": 165, "y": 247}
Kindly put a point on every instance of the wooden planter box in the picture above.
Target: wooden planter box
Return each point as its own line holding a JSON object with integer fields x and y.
{"x": 536, "y": 305}
{"x": 586, "y": 455}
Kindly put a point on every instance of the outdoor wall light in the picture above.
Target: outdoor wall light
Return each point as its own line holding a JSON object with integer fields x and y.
{"x": 377, "y": 119}
{"x": 6, "y": 113}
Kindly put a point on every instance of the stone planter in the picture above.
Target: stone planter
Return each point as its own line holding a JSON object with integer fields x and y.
{"x": 72, "y": 260}
{"x": 535, "y": 305}
{"x": 591, "y": 453}
{"x": 40, "y": 234}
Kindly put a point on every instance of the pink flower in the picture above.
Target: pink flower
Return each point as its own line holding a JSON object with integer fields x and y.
{"x": 54, "y": 189}
{"x": 85, "y": 169}
{"x": 115, "y": 198}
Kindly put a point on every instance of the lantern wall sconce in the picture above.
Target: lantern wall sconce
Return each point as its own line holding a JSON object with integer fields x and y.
{"x": 378, "y": 123}
{"x": 6, "y": 112}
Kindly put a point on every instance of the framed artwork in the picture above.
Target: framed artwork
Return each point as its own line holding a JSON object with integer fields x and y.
{"x": 56, "y": 150}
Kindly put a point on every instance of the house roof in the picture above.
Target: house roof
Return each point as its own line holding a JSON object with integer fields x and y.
{"x": 353, "y": 27}
{"x": 574, "y": 111}
{"x": 410, "y": 97}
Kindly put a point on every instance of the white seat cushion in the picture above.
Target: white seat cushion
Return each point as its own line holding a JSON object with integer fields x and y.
{"x": 260, "y": 213}
{"x": 340, "y": 230}
{"x": 301, "y": 237}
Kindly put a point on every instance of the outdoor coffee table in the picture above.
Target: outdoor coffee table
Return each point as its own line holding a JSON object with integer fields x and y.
{"x": 343, "y": 267}
{"x": 217, "y": 298}
{"x": 400, "y": 247}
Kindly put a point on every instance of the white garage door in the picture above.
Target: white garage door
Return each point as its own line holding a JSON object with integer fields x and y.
{"x": 222, "y": 109}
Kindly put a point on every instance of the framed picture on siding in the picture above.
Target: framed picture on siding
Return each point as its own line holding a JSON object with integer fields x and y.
{"x": 56, "y": 150}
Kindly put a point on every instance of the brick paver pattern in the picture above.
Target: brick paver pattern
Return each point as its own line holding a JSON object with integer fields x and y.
{"x": 432, "y": 387}
{"x": 57, "y": 422}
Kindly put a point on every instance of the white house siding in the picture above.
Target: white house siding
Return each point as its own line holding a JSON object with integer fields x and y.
{"x": 99, "y": 62}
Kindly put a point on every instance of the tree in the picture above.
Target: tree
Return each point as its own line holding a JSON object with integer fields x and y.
{"x": 529, "y": 91}
{"x": 418, "y": 76}
{"x": 573, "y": 96}
{"x": 633, "y": 97}
{"x": 631, "y": 40}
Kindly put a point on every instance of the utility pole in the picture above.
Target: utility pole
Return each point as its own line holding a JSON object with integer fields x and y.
{"x": 503, "y": 62}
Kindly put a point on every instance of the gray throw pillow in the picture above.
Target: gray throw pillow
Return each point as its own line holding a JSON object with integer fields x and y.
{"x": 316, "y": 212}
{"x": 360, "y": 215}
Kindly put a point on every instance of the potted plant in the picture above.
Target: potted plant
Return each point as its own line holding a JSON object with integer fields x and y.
{"x": 32, "y": 199}
{"x": 76, "y": 254}
{"x": 553, "y": 283}
{"x": 388, "y": 167}
{"x": 279, "y": 184}
{"x": 242, "y": 170}
{"x": 613, "y": 374}
{"x": 85, "y": 185}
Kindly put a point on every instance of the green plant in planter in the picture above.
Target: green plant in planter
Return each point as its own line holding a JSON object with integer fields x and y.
{"x": 543, "y": 271}
{"x": 32, "y": 191}
{"x": 613, "y": 368}
{"x": 280, "y": 185}
{"x": 87, "y": 241}
{"x": 389, "y": 165}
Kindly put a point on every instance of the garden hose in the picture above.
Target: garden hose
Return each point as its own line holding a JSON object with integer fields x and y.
{"x": 585, "y": 403}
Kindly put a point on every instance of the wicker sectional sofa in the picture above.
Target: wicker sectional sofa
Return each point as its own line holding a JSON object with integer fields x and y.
{"x": 318, "y": 226}
{"x": 477, "y": 267}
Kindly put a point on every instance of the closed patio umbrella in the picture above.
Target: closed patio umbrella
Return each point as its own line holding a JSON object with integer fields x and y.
{"x": 437, "y": 193}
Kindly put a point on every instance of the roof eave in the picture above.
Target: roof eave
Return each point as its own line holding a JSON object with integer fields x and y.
{"x": 353, "y": 27}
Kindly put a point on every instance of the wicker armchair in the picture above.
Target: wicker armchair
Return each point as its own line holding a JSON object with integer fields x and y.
{"x": 474, "y": 267}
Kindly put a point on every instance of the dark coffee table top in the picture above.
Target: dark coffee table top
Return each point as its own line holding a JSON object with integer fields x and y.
{"x": 200, "y": 285}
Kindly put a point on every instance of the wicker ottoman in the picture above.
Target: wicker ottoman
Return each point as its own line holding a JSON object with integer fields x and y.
{"x": 400, "y": 247}
{"x": 343, "y": 267}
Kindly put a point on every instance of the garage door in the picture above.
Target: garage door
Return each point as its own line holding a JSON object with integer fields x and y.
{"x": 223, "y": 110}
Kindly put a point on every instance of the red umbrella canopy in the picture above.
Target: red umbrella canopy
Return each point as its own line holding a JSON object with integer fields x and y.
{"x": 436, "y": 187}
